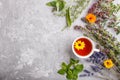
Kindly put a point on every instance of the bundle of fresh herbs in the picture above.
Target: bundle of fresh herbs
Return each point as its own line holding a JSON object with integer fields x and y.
{"x": 103, "y": 13}
{"x": 70, "y": 10}
{"x": 71, "y": 70}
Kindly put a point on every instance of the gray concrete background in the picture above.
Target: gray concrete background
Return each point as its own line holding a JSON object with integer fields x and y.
{"x": 32, "y": 45}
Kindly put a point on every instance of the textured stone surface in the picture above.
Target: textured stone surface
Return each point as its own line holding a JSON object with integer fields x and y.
{"x": 32, "y": 45}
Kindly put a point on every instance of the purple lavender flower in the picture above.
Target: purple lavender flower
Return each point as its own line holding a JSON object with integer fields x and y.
{"x": 86, "y": 71}
{"x": 95, "y": 68}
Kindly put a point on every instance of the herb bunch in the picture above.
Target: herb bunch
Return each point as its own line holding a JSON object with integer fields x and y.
{"x": 106, "y": 12}
{"x": 70, "y": 10}
{"x": 71, "y": 70}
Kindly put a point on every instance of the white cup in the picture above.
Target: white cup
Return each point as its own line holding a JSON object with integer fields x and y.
{"x": 92, "y": 51}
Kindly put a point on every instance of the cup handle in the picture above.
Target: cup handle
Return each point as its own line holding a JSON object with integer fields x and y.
{"x": 97, "y": 50}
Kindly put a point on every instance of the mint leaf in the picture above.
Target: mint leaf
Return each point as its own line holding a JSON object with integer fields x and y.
{"x": 72, "y": 61}
{"x": 79, "y": 67}
{"x": 64, "y": 66}
{"x": 61, "y": 5}
{"x": 75, "y": 72}
{"x": 52, "y": 4}
{"x": 69, "y": 72}
{"x": 75, "y": 77}
{"x": 69, "y": 76}
{"x": 61, "y": 71}
{"x": 77, "y": 61}
{"x": 57, "y": 4}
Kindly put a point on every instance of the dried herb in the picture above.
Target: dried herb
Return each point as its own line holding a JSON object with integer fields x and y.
{"x": 71, "y": 70}
{"x": 76, "y": 10}
{"x": 106, "y": 12}
{"x": 109, "y": 44}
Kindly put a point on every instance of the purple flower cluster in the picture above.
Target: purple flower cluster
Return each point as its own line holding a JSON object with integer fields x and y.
{"x": 97, "y": 64}
{"x": 86, "y": 73}
{"x": 97, "y": 58}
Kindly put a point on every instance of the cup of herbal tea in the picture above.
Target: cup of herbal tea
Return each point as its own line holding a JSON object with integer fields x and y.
{"x": 83, "y": 47}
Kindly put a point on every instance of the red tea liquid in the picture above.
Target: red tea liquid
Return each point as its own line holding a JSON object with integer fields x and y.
{"x": 87, "y": 49}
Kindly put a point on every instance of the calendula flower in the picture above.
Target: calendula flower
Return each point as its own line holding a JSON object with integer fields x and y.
{"x": 79, "y": 45}
{"x": 91, "y": 18}
{"x": 108, "y": 63}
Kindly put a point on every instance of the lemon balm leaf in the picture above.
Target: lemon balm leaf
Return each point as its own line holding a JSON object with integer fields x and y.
{"x": 57, "y": 4}
{"x": 71, "y": 70}
{"x": 68, "y": 76}
{"x": 77, "y": 61}
{"x": 52, "y": 4}
{"x": 72, "y": 61}
{"x": 75, "y": 72}
{"x": 61, "y": 5}
{"x": 75, "y": 77}
{"x": 64, "y": 66}
{"x": 61, "y": 71}
{"x": 79, "y": 67}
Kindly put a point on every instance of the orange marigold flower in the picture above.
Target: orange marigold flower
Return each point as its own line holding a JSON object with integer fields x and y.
{"x": 108, "y": 63}
{"x": 91, "y": 18}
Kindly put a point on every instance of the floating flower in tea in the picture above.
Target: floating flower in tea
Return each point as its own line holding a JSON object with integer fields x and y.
{"x": 79, "y": 45}
{"x": 83, "y": 46}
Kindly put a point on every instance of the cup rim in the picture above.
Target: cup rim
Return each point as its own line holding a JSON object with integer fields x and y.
{"x": 88, "y": 54}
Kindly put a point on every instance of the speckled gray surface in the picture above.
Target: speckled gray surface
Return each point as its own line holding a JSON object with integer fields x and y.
{"x": 32, "y": 45}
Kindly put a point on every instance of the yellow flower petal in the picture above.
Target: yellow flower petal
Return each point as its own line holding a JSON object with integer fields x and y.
{"x": 79, "y": 45}
{"x": 108, "y": 63}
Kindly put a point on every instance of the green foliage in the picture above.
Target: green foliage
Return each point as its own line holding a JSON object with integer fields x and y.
{"x": 51, "y": 4}
{"x": 113, "y": 10}
{"x": 61, "y": 71}
{"x": 79, "y": 67}
{"x": 70, "y": 10}
{"x": 71, "y": 70}
{"x": 57, "y": 5}
{"x": 68, "y": 20}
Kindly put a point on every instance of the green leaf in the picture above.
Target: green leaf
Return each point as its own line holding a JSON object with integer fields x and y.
{"x": 69, "y": 72}
{"x": 69, "y": 76}
{"x": 75, "y": 72}
{"x": 77, "y": 61}
{"x": 61, "y": 5}
{"x": 68, "y": 19}
{"x": 57, "y": 6}
{"x": 79, "y": 67}
{"x": 64, "y": 66}
{"x": 52, "y": 4}
{"x": 61, "y": 71}
{"x": 72, "y": 61}
{"x": 75, "y": 77}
